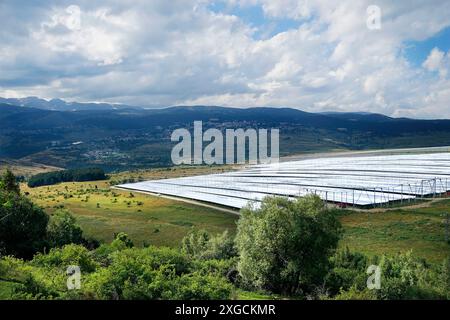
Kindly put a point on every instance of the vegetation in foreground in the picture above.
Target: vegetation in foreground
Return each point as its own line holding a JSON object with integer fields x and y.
{"x": 285, "y": 248}
{"x": 102, "y": 212}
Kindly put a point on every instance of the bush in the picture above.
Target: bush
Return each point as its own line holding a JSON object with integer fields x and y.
{"x": 402, "y": 277}
{"x": 69, "y": 255}
{"x": 349, "y": 269}
{"x": 406, "y": 277}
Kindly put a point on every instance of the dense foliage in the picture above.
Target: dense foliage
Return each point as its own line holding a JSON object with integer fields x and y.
{"x": 23, "y": 225}
{"x": 50, "y": 178}
{"x": 402, "y": 277}
{"x": 285, "y": 245}
{"x": 127, "y": 273}
{"x": 26, "y": 229}
{"x": 199, "y": 244}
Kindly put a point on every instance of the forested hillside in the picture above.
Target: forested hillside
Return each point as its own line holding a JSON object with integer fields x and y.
{"x": 127, "y": 138}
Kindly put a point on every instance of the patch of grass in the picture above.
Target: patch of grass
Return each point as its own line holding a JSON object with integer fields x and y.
{"x": 102, "y": 212}
{"x": 421, "y": 230}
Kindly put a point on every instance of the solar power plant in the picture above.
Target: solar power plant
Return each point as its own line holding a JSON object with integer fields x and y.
{"x": 351, "y": 180}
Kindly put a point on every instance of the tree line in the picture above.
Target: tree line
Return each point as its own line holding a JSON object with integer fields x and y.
{"x": 80, "y": 175}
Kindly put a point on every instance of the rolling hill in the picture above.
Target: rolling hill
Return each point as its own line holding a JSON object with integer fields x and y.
{"x": 127, "y": 137}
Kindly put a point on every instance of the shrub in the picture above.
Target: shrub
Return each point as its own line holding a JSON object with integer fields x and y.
{"x": 69, "y": 255}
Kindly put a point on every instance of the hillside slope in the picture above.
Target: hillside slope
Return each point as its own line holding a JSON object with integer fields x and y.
{"x": 127, "y": 138}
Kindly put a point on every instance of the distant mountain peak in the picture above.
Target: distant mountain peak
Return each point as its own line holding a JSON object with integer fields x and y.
{"x": 57, "y": 104}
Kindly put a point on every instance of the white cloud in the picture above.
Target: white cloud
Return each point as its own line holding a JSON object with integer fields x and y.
{"x": 161, "y": 53}
{"x": 436, "y": 61}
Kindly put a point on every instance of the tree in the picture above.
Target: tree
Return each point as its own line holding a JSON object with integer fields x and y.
{"x": 8, "y": 182}
{"x": 221, "y": 247}
{"x": 284, "y": 246}
{"x": 195, "y": 243}
{"x": 200, "y": 244}
{"x": 62, "y": 229}
{"x": 23, "y": 225}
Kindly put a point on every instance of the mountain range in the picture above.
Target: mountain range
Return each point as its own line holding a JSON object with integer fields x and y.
{"x": 117, "y": 137}
{"x": 59, "y": 104}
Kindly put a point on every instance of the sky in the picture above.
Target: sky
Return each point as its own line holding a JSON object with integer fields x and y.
{"x": 383, "y": 56}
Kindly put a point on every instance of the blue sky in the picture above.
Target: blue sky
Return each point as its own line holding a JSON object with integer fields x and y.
{"x": 254, "y": 16}
{"x": 314, "y": 55}
{"x": 417, "y": 51}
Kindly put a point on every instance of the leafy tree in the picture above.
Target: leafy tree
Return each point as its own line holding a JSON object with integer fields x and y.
{"x": 199, "y": 244}
{"x": 23, "y": 225}
{"x": 9, "y": 183}
{"x": 195, "y": 243}
{"x": 221, "y": 247}
{"x": 63, "y": 229}
{"x": 284, "y": 246}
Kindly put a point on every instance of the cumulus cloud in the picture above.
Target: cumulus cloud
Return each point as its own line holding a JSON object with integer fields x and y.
{"x": 160, "y": 53}
{"x": 437, "y": 61}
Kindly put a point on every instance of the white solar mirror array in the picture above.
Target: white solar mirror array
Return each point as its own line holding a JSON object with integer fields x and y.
{"x": 351, "y": 180}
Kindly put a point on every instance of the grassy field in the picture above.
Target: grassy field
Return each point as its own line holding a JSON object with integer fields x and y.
{"x": 102, "y": 212}
{"x": 420, "y": 228}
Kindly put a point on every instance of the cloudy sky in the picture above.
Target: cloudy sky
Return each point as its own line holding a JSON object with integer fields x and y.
{"x": 314, "y": 55}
